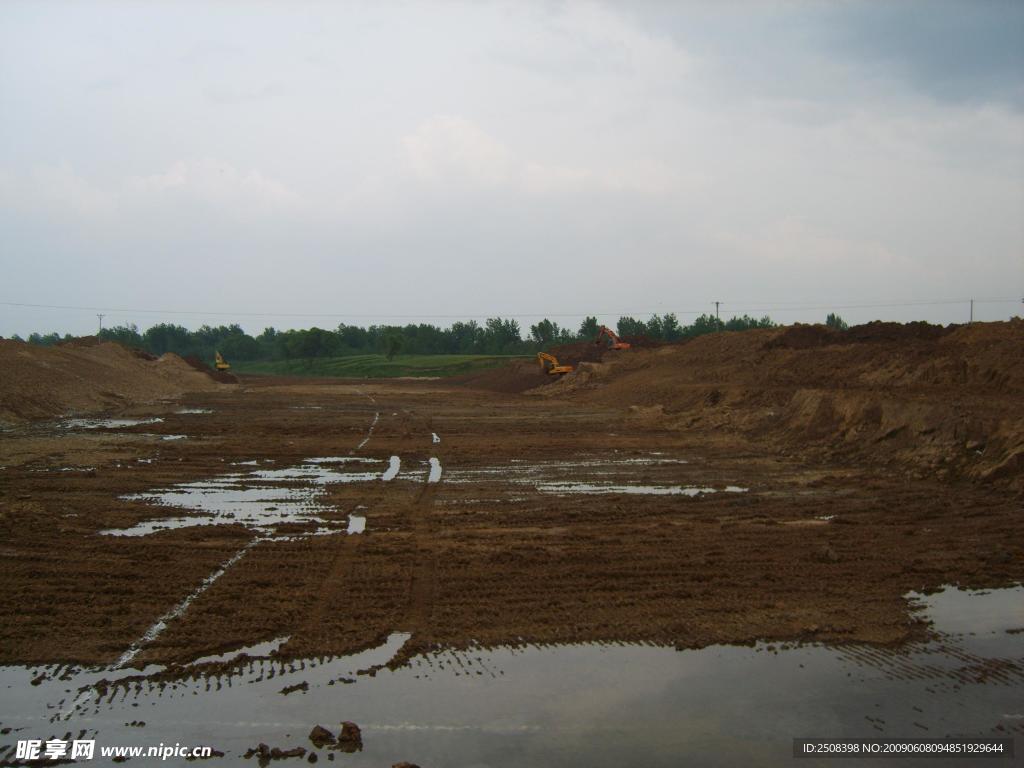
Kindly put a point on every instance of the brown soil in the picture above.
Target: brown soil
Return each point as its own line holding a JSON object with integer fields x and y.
{"x": 839, "y": 522}
{"x": 522, "y": 375}
{"x": 943, "y": 402}
{"x": 517, "y": 376}
{"x": 87, "y": 376}
{"x": 580, "y": 352}
{"x": 222, "y": 376}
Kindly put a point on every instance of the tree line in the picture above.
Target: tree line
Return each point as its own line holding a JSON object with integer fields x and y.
{"x": 495, "y": 336}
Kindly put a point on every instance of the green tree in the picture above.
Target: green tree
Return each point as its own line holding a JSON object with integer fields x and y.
{"x": 165, "y": 337}
{"x": 835, "y": 321}
{"x": 627, "y": 326}
{"x": 123, "y": 334}
{"x": 671, "y": 330}
{"x": 465, "y": 338}
{"x": 501, "y": 337}
{"x": 240, "y": 347}
{"x": 544, "y": 333}
{"x": 44, "y": 341}
{"x": 589, "y": 328}
{"x": 703, "y": 324}
{"x": 394, "y": 345}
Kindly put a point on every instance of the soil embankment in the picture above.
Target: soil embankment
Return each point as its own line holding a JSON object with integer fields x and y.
{"x": 88, "y": 376}
{"x": 943, "y": 401}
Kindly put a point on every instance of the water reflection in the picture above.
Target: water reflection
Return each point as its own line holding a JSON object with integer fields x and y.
{"x": 588, "y": 704}
{"x": 259, "y": 499}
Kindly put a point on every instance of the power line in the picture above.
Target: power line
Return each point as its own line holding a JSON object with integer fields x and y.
{"x": 732, "y": 307}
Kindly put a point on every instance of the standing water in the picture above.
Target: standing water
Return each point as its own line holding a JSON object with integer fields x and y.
{"x": 587, "y": 704}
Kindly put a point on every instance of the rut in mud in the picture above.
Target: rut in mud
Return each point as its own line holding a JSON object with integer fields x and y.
{"x": 299, "y": 539}
{"x": 481, "y": 518}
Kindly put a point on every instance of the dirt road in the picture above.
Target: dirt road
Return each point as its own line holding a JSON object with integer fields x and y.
{"x": 490, "y": 519}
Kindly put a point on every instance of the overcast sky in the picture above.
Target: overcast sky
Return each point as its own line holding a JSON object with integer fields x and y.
{"x": 441, "y": 160}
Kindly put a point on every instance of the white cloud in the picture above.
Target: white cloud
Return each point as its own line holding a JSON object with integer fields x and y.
{"x": 713, "y": 149}
{"x": 56, "y": 190}
{"x": 219, "y": 184}
{"x": 454, "y": 149}
{"x": 456, "y": 152}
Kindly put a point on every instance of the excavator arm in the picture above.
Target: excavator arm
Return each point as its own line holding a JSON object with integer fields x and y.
{"x": 549, "y": 364}
{"x": 614, "y": 342}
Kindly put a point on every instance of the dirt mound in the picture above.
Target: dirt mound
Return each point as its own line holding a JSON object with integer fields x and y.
{"x": 879, "y": 331}
{"x": 222, "y": 376}
{"x": 579, "y": 352}
{"x": 80, "y": 341}
{"x": 522, "y": 375}
{"x": 800, "y": 336}
{"x": 47, "y": 382}
{"x": 947, "y": 401}
{"x": 643, "y": 342}
{"x": 517, "y": 376}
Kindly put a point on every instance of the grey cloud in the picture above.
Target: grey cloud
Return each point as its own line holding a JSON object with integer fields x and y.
{"x": 438, "y": 158}
{"x": 970, "y": 52}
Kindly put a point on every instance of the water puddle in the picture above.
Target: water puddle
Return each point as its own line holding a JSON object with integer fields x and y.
{"x": 259, "y": 499}
{"x": 341, "y": 460}
{"x": 394, "y": 465}
{"x": 603, "y": 705}
{"x": 259, "y": 650}
{"x": 974, "y": 612}
{"x": 651, "y": 474}
{"x": 356, "y": 524}
{"x": 66, "y": 469}
{"x": 565, "y": 489}
{"x": 523, "y": 471}
{"x": 184, "y": 411}
{"x": 108, "y": 423}
{"x": 435, "y": 471}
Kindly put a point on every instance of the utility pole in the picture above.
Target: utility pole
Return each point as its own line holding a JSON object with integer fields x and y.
{"x": 972, "y": 313}
{"x": 101, "y": 321}
{"x": 718, "y": 323}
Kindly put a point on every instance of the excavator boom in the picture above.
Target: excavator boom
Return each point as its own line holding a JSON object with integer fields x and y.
{"x": 614, "y": 342}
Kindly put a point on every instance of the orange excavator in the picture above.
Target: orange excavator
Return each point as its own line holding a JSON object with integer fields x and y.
{"x": 549, "y": 364}
{"x": 614, "y": 342}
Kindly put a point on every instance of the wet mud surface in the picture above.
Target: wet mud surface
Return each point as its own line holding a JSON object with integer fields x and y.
{"x": 383, "y": 532}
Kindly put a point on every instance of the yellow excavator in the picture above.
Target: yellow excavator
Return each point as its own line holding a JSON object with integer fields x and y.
{"x": 220, "y": 363}
{"x": 549, "y": 364}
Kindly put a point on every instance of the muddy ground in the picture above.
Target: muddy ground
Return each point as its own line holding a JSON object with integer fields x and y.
{"x": 541, "y": 529}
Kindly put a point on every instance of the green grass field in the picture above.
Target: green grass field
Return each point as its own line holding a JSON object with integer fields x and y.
{"x": 375, "y": 366}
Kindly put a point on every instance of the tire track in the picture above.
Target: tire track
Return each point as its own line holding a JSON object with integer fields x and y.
{"x": 340, "y": 571}
{"x": 176, "y": 612}
{"x": 423, "y": 581}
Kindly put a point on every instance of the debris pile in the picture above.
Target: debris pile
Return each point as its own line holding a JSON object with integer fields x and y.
{"x": 88, "y": 376}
